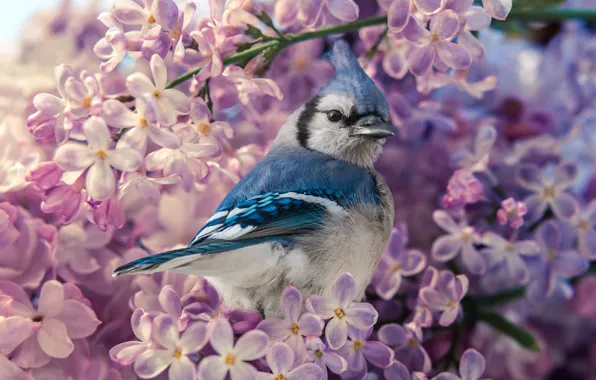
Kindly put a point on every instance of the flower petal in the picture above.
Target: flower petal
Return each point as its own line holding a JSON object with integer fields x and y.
{"x": 165, "y": 331}
{"x": 345, "y": 10}
{"x": 291, "y": 303}
{"x": 472, "y": 259}
{"x": 398, "y": 15}
{"x": 427, "y": 7}
{"x": 344, "y": 289}
{"x": 212, "y": 368}
{"x": 564, "y": 175}
{"x": 80, "y": 320}
{"x": 445, "y": 221}
{"x": 434, "y": 299}
{"x": 397, "y": 371}
{"x": 395, "y": 64}
{"x": 127, "y": 353}
{"x": 453, "y": 55}
{"x": 251, "y": 345}
{"x": 361, "y": 315}
{"x": 449, "y": 316}
{"x": 194, "y": 338}
{"x": 564, "y": 206}
{"x": 53, "y": 338}
{"x": 335, "y": 363}
{"x": 378, "y": 354}
{"x": 445, "y": 24}
{"x": 570, "y": 264}
{"x": 182, "y": 369}
{"x": 529, "y": 177}
{"x": 129, "y": 12}
{"x": 393, "y": 335}
{"x": 388, "y": 285}
{"x": 97, "y": 133}
{"x": 118, "y": 115}
{"x": 336, "y": 333}
{"x": 100, "y": 182}
{"x": 308, "y": 371}
{"x": 280, "y": 358}
{"x": 221, "y": 336}
{"x": 414, "y": 263}
{"x": 472, "y": 45}
{"x": 48, "y": 104}
{"x": 179, "y": 100}
{"x": 73, "y": 157}
{"x": 446, "y": 248}
{"x": 125, "y": 159}
{"x": 472, "y": 365}
{"x": 51, "y": 299}
{"x": 536, "y": 205}
{"x": 321, "y": 306}
{"x": 152, "y": 362}
{"x": 275, "y": 328}
{"x": 310, "y": 325}
{"x": 241, "y": 371}
{"x": 498, "y": 9}
{"x": 159, "y": 71}
{"x": 140, "y": 85}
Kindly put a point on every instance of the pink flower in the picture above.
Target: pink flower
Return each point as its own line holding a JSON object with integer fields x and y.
{"x": 208, "y": 56}
{"x": 168, "y": 103}
{"x": 134, "y": 187}
{"x": 311, "y": 13}
{"x": 435, "y": 45}
{"x": 295, "y": 326}
{"x": 498, "y": 9}
{"x": 342, "y": 310}
{"x": 27, "y": 247}
{"x": 60, "y": 318}
{"x": 98, "y": 157}
{"x": 280, "y": 359}
{"x": 64, "y": 200}
{"x": 84, "y": 95}
{"x": 463, "y": 188}
{"x": 181, "y": 32}
{"x": 231, "y": 358}
{"x": 399, "y": 11}
{"x": 247, "y": 86}
{"x": 218, "y": 132}
{"x": 152, "y": 17}
{"x": 55, "y": 107}
{"x": 188, "y": 161}
{"x": 128, "y": 352}
{"x": 45, "y": 175}
{"x": 478, "y": 159}
{"x": 116, "y": 43}
{"x": 512, "y": 213}
{"x": 172, "y": 350}
{"x": 140, "y": 124}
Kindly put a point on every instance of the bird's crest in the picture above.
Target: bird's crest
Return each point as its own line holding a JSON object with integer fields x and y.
{"x": 350, "y": 78}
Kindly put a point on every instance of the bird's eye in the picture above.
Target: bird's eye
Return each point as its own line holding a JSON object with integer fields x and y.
{"x": 334, "y": 116}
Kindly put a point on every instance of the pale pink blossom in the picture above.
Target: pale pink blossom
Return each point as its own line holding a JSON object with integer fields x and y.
{"x": 168, "y": 102}
{"x": 154, "y": 15}
{"x": 98, "y": 157}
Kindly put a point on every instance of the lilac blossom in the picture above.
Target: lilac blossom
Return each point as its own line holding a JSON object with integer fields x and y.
{"x": 209, "y": 55}
{"x": 313, "y": 13}
{"x": 407, "y": 346}
{"x": 399, "y": 11}
{"x": 317, "y": 352}
{"x": 583, "y": 300}
{"x": 295, "y": 326}
{"x": 342, "y": 311}
{"x": 511, "y": 254}
{"x": 511, "y": 213}
{"x": 152, "y": 17}
{"x": 98, "y": 157}
{"x": 460, "y": 241}
{"x": 397, "y": 262}
{"x": 140, "y": 124}
{"x": 498, "y": 9}
{"x": 116, "y": 44}
{"x": 463, "y": 189}
{"x": 434, "y": 46}
{"x": 134, "y": 186}
{"x": 231, "y": 358}
{"x": 127, "y": 353}
{"x": 446, "y": 296}
{"x": 471, "y": 367}
{"x": 209, "y": 131}
{"x": 558, "y": 260}
{"x": 59, "y": 320}
{"x": 548, "y": 190}
{"x": 477, "y": 160}
{"x": 168, "y": 102}
{"x": 280, "y": 359}
{"x": 174, "y": 349}
{"x": 182, "y": 30}
{"x": 358, "y": 350}
{"x": 584, "y": 223}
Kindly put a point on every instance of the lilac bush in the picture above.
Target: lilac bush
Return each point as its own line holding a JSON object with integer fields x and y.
{"x": 123, "y": 128}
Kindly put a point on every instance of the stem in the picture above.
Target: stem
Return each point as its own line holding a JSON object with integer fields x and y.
{"x": 546, "y": 15}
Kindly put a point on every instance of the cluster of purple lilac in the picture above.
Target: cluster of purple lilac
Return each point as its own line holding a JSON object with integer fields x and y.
{"x": 133, "y": 146}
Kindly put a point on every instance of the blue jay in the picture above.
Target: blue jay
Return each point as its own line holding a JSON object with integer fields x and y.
{"x": 311, "y": 209}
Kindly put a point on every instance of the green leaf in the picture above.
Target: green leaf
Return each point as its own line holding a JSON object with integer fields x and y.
{"x": 265, "y": 18}
{"x": 253, "y": 31}
{"x": 515, "y": 332}
{"x": 526, "y": 5}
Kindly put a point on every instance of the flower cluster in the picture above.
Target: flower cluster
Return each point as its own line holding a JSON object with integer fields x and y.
{"x": 121, "y": 131}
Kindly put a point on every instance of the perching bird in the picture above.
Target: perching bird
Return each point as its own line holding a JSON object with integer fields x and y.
{"x": 311, "y": 209}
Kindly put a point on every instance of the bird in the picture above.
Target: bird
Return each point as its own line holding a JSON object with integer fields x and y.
{"x": 311, "y": 209}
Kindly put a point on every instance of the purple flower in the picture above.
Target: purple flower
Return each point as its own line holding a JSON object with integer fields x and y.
{"x": 76, "y": 243}
{"x": 116, "y": 43}
{"x": 446, "y": 296}
{"x": 45, "y": 175}
{"x": 140, "y": 124}
{"x": 84, "y": 95}
{"x": 14, "y": 329}
{"x": 173, "y": 349}
{"x": 167, "y": 103}
{"x": 512, "y": 213}
{"x": 127, "y": 353}
{"x": 584, "y": 298}
{"x": 399, "y": 11}
{"x": 510, "y": 254}
{"x": 312, "y": 13}
{"x": 434, "y": 46}
{"x": 154, "y": 15}
{"x": 471, "y": 367}
{"x": 59, "y": 320}
{"x": 460, "y": 241}
{"x": 280, "y": 359}
{"x": 584, "y": 223}
{"x": 463, "y": 188}
{"x": 498, "y": 9}
{"x": 397, "y": 262}
{"x": 407, "y": 347}
{"x": 210, "y": 40}
{"x": 134, "y": 186}
{"x": 342, "y": 311}
{"x": 358, "y": 350}
{"x": 477, "y": 160}
{"x": 182, "y": 30}
{"x": 98, "y": 157}
{"x": 231, "y": 358}
{"x": 293, "y": 328}
{"x": 558, "y": 260}
{"x": 219, "y": 132}
{"x": 64, "y": 200}
{"x": 317, "y": 352}
{"x": 247, "y": 86}
{"x": 548, "y": 190}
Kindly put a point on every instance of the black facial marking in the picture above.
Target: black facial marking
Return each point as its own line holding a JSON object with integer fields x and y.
{"x": 310, "y": 108}
{"x": 354, "y": 116}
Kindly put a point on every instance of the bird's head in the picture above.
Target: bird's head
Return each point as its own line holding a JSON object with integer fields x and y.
{"x": 347, "y": 119}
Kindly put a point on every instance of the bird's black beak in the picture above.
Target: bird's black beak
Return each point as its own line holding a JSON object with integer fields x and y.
{"x": 372, "y": 127}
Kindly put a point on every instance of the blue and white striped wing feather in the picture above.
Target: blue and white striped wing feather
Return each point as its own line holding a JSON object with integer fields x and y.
{"x": 276, "y": 216}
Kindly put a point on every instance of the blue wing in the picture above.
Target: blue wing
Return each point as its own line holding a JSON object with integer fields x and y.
{"x": 273, "y": 216}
